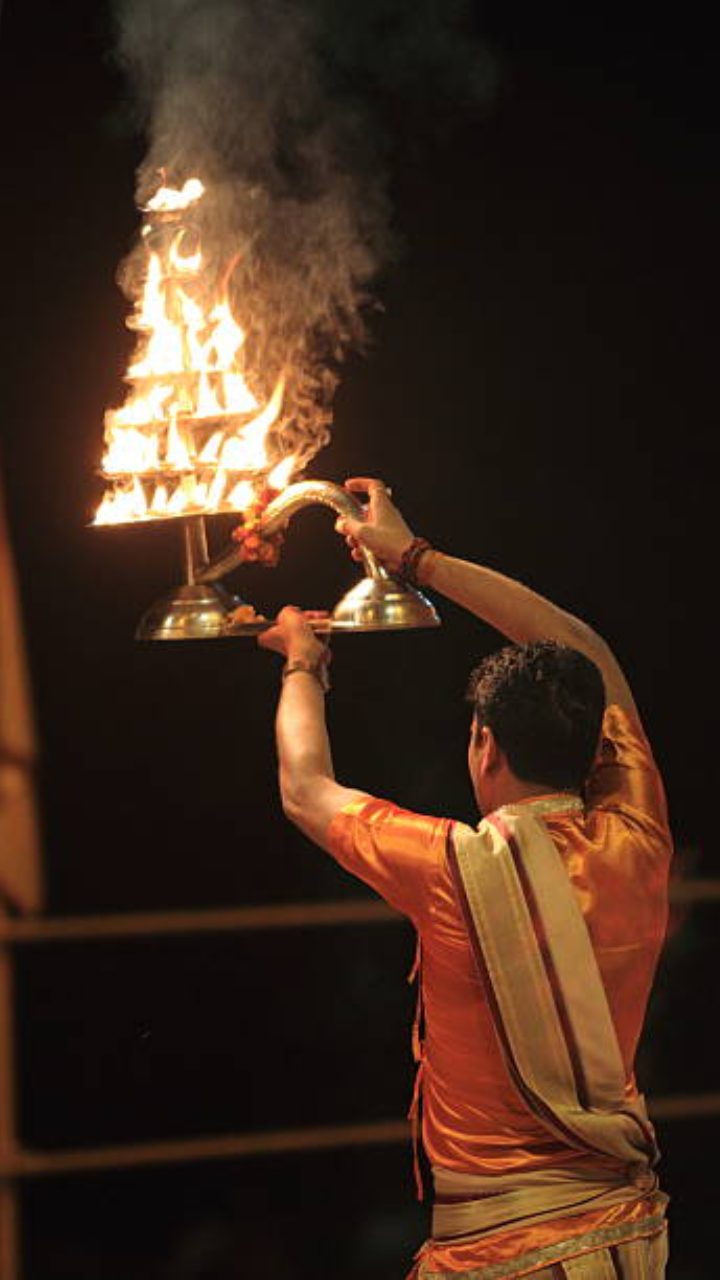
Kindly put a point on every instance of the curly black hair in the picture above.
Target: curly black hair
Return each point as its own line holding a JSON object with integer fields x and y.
{"x": 544, "y": 702}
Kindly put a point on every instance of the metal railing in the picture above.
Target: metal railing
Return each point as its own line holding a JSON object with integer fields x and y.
{"x": 18, "y": 1163}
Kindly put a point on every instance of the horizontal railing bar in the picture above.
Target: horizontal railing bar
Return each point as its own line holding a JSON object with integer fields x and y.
{"x": 211, "y": 920}
{"x": 694, "y": 891}
{"x": 32, "y": 1164}
{"x": 239, "y": 919}
{"x": 189, "y": 1150}
{"x": 682, "y": 1106}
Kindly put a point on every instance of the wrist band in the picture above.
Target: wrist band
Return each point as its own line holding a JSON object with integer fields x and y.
{"x": 410, "y": 559}
{"x": 317, "y": 669}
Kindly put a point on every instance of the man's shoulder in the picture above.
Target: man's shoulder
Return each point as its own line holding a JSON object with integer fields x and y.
{"x": 625, "y": 778}
{"x": 387, "y": 816}
{"x": 397, "y": 851}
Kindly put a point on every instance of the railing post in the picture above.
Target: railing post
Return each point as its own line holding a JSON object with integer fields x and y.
{"x": 9, "y": 1195}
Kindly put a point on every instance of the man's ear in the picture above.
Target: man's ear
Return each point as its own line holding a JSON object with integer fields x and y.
{"x": 490, "y": 756}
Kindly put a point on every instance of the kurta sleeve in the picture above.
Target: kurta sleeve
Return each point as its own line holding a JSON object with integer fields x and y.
{"x": 396, "y": 852}
{"x": 625, "y": 776}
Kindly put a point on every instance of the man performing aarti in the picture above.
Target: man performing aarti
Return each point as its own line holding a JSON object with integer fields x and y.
{"x": 539, "y": 931}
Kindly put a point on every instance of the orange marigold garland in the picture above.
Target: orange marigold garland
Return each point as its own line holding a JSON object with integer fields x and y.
{"x": 255, "y": 546}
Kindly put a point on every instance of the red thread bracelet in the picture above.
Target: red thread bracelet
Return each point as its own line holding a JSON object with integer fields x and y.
{"x": 410, "y": 559}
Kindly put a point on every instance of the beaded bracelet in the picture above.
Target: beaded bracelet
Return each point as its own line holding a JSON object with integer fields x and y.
{"x": 411, "y": 558}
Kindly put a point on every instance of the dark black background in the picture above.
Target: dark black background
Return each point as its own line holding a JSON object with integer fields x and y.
{"x": 541, "y": 396}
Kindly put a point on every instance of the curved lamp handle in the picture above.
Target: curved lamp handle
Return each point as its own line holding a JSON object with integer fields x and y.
{"x": 303, "y": 494}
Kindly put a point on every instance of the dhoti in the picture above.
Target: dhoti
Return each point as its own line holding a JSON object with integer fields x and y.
{"x": 469, "y": 1208}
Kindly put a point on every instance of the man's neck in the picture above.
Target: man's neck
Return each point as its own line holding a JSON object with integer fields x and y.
{"x": 514, "y": 790}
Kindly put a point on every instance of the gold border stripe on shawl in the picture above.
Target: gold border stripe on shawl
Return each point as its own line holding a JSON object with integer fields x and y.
{"x": 515, "y": 968}
{"x": 573, "y": 960}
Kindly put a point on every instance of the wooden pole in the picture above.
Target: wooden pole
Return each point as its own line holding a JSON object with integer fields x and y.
{"x": 208, "y": 920}
{"x": 38, "y": 1164}
{"x": 234, "y": 1146}
{"x": 9, "y": 1194}
{"x": 293, "y": 915}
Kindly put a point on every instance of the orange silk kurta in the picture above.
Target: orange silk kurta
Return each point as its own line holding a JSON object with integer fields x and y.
{"x": 617, "y": 856}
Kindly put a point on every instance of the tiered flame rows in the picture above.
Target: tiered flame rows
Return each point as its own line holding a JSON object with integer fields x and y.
{"x": 192, "y": 437}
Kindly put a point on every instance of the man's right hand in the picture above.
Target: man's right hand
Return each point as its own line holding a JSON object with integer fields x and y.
{"x": 293, "y": 636}
{"x": 383, "y": 530}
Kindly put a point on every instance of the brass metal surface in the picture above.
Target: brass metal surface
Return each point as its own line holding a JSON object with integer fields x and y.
{"x": 202, "y": 609}
{"x": 195, "y": 611}
{"x": 280, "y": 511}
{"x": 383, "y": 604}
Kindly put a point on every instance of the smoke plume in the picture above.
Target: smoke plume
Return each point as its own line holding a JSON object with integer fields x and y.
{"x": 278, "y": 105}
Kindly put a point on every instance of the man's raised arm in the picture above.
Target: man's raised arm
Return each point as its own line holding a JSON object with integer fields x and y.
{"x": 311, "y": 796}
{"x": 513, "y": 609}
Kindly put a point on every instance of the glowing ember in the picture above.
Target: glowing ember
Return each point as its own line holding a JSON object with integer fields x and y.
{"x": 192, "y": 436}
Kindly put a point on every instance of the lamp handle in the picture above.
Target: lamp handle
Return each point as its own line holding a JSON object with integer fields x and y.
{"x": 305, "y": 493}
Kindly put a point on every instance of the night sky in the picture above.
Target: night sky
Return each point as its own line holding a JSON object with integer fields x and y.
{"x": 540, "y": 393}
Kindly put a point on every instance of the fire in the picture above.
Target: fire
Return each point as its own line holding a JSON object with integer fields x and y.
{"x": 168, "y": 198}
{"x": 192, "y": 436}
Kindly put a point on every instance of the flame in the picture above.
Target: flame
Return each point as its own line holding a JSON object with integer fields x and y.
{"x": 280, "y": 475}
{"x": 242, "y": 496}
{"x": 192, "y": 425}
{"x": 179, "y": 500}
{"x": 190, "y": 263}
{"x": 177, "y": 456}
{"x": 212, "y": 448}
{"x": 168, "y": 199}
{"x": 159, "y": 503}
{"x": 246, "y": 450}
{"x": 217, "y": 488}
{"x": 130, "y": 450}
